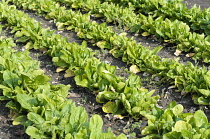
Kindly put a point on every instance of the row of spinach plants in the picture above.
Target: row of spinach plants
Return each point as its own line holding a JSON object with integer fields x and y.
{"x": 42, "y": 108}
{"x": 197, "y": 19}
{"x": 172, "y": 31}
{"x": 168, "y": 123}
{"x": 187, "y": 78}
{"x": 127, "y": 95}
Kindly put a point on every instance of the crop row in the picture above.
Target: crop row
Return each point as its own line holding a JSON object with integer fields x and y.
{"x": 40, "y": 106}
{"x": 162, "y": 123}
{"x": 187, "y": 78}
{"x": 197, "y": 19}
{"x": 173, "y": 31}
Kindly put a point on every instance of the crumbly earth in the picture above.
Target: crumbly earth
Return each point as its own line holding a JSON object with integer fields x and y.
{"x": 83, "y": 97}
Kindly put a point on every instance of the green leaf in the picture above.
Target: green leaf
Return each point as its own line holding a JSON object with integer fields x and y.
{"x": 18, "y": 34}
{"x": 11, "y": 79}
{"x": 13, "y": 105}
{"x": 20, "y": 120}
{"x": 172, "y": 135}
{"x": 36, "y": 118}
{"x": 204, "y": 92}
{"x": 206, "y": 134}
{"x": 177, "y": 109}
{"x": 26, "y": 101}
{"x": 95, "y": 126}
{"x": 41, "y": 79}
{"x": 4, "y": 98}
{"x": 122, "y": 136}
{"x": 181, "y": 125}
{"x": 35, "y": 133}
{"x": 200, "y": 118}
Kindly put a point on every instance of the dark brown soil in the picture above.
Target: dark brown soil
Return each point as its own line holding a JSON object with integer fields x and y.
{"x": 83, "y": 96}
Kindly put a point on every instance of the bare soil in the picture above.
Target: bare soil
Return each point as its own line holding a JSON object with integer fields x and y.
{"x": 83, "y": 96}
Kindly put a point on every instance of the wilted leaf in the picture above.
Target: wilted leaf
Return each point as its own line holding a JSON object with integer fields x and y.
{"x": 135, "y": 69}
{"x": 190, "y": 55}
{"x": 118, "y": 116}
{"x": 178, "y": 52}
{"x": 43, "y": 49}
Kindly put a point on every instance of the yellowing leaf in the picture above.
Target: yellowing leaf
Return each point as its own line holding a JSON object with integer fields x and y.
{"x": 178, "y": 52}
{"x": 60, "y": 26}
{"x": 126, "y": 28}
{"x": 101, "y": 44}
{"x": 134, "y": 69}
{"x": 123, "y": 34}
{"x": 166, "y": 40}
{"x": 68, "y": 73}
{"x": 59, "y": 69}
{"x": 145, "y": 34}
{"x": 190, "y": 55}
{"x": 109, "y": 107}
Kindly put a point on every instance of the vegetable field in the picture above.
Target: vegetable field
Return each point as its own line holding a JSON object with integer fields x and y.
{"x": 104, "y": 69}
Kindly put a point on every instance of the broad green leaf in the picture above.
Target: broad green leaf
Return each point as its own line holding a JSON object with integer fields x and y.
{"x": 26, "y": 101}
{"x": 95, "y": 126}
{"x": 108, "y": 135}
{"x": 4, "y": 98}
{"x": 187, "y": 133}
{"x": 18, "y": 34}
{"x": 35, "y": 133}
{"x": 177, "y": 109}
{"x": 200, "y": 118}
{"x": 10, "y": 78}
{"x": 181, "y": 125}
{"x": 172, "y": 135}
{"x": 13, "y": 105}
{"x": 204, "y": 92}
{"x": 41, "y": 79}
{"x": 83, "y": 82}
{"x": 122, "y": 136}
{"x": 68, "y": 136}
{"x": 202, "y": 101}
{"x": 206, "y": 134}
{"x": 36, "y": 118}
